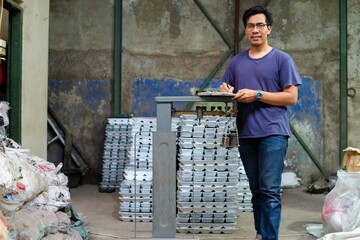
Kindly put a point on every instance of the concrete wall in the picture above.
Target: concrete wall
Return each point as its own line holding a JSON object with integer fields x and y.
{"x": 81, "y": 74}
{"x": 35, "y": 76}
{"x": 354, "y": 72}
{"x": 172, "y": 40}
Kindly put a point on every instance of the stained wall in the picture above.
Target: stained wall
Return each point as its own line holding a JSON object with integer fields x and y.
{"x": 171, "y": 40}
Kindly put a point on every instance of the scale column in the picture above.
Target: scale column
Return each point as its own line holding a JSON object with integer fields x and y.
{"x": 164, "y": 175}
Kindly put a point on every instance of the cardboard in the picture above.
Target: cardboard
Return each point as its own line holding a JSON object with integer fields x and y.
{"x": 351, "y": 159}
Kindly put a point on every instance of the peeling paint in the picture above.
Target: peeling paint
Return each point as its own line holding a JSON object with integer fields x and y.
{"x": 305, "y": 116}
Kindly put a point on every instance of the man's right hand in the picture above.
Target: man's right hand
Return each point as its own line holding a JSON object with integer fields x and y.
{"x": 224, "y": 87}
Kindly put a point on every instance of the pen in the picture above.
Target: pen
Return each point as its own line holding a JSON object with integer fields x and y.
{"x": 228, "y": 86}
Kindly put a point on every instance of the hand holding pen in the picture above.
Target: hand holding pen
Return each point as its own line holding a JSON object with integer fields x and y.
{"x": 224, "y": 87}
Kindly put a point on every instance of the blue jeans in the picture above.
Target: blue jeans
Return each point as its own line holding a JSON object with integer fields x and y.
{"x": 263, "y": 160}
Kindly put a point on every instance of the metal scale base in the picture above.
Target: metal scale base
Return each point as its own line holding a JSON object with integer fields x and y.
{"x": 164, "y": 167}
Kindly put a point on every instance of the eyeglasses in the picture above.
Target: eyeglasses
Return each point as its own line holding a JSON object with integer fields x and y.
{"x": 251, "y": 26}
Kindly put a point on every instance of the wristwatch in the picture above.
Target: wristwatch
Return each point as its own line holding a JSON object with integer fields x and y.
{"x": 258, "y": 95}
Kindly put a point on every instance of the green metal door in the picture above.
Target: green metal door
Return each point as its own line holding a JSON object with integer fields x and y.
{"x": 14, "y": 62}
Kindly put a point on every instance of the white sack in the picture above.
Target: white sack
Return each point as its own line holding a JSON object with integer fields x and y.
{"x": 341, "y": 209}
{"x": 33, "y": 180}
{"x": 9, "y": 174}
{"x": 55, "y": 198}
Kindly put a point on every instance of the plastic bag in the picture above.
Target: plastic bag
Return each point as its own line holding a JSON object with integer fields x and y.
{"x": 52, "y": 200}
{"x": 77, "y": 223}
{"x": 4, "y": 119}
{"x": 23, "y": 188}
{"x": 33, "y": 223}
{"x": 341, "y": 209}
{"x": 10, "y": 173}
{"x": 289, "y": 180}
{"x": 353, "y": 235}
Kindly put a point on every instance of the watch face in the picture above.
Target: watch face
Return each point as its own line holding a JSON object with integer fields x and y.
{"x": 258, "y": 95}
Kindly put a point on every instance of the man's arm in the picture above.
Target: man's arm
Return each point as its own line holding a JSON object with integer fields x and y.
{"x": 287, "y": 97}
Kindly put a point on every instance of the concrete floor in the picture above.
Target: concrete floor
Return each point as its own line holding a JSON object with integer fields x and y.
{"x": 101, "y": 210}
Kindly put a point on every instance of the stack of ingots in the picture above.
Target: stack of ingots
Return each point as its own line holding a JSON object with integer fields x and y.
{"x": 244, "y": 193}
{"x": 208, "y": 177}
{"x": 136, "y": 189}
{"x": 118, "y": 140}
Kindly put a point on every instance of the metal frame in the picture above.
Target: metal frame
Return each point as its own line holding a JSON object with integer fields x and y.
{"x": 117, "y": 57}
{"x": 14, "y": 80}
{"x": 343, "y": 80}
{"x": 164, "y": 165}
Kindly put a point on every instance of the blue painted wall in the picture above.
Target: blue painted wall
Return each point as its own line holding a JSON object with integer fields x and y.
{"x": 305, "y": 116}
{"x": 83, "y": 108}
{"x": 145, "y": 90}
{"x": 309, "y": 105}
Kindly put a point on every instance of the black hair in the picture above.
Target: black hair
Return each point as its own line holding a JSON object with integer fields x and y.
{"x": 256, "y": 10}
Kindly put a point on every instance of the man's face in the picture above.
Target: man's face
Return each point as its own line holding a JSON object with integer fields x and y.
{"x": 256, "y": 30}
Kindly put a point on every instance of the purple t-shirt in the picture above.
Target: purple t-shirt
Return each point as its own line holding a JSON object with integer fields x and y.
{"x": 271, "y": 73}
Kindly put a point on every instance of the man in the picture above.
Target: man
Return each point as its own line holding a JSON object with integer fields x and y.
{"x": 265, "y": 80}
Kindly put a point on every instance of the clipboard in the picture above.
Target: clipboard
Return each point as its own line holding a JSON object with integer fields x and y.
{"x": 215, "y": 94}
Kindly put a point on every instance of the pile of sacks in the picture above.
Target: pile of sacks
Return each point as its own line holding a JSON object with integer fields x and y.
{"x": 34, "y": 197}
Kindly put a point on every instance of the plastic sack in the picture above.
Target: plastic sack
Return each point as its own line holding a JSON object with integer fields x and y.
{"x": 341, "y": 209}
{"x": 52, "y": 200}
{"x": 64, "y": 228}
{"x": 10, "y": 173}
{"x": 57, "y": 194}
{"x": 4, "y": 119}
{"x": 33, "y": 223}
{"x": 353, "y": 235}
{"x": 289, "y": 180}
{"x": 4, "y": 108}
{"x": 26, "y": 181}
{"x": 77, "y": 222}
